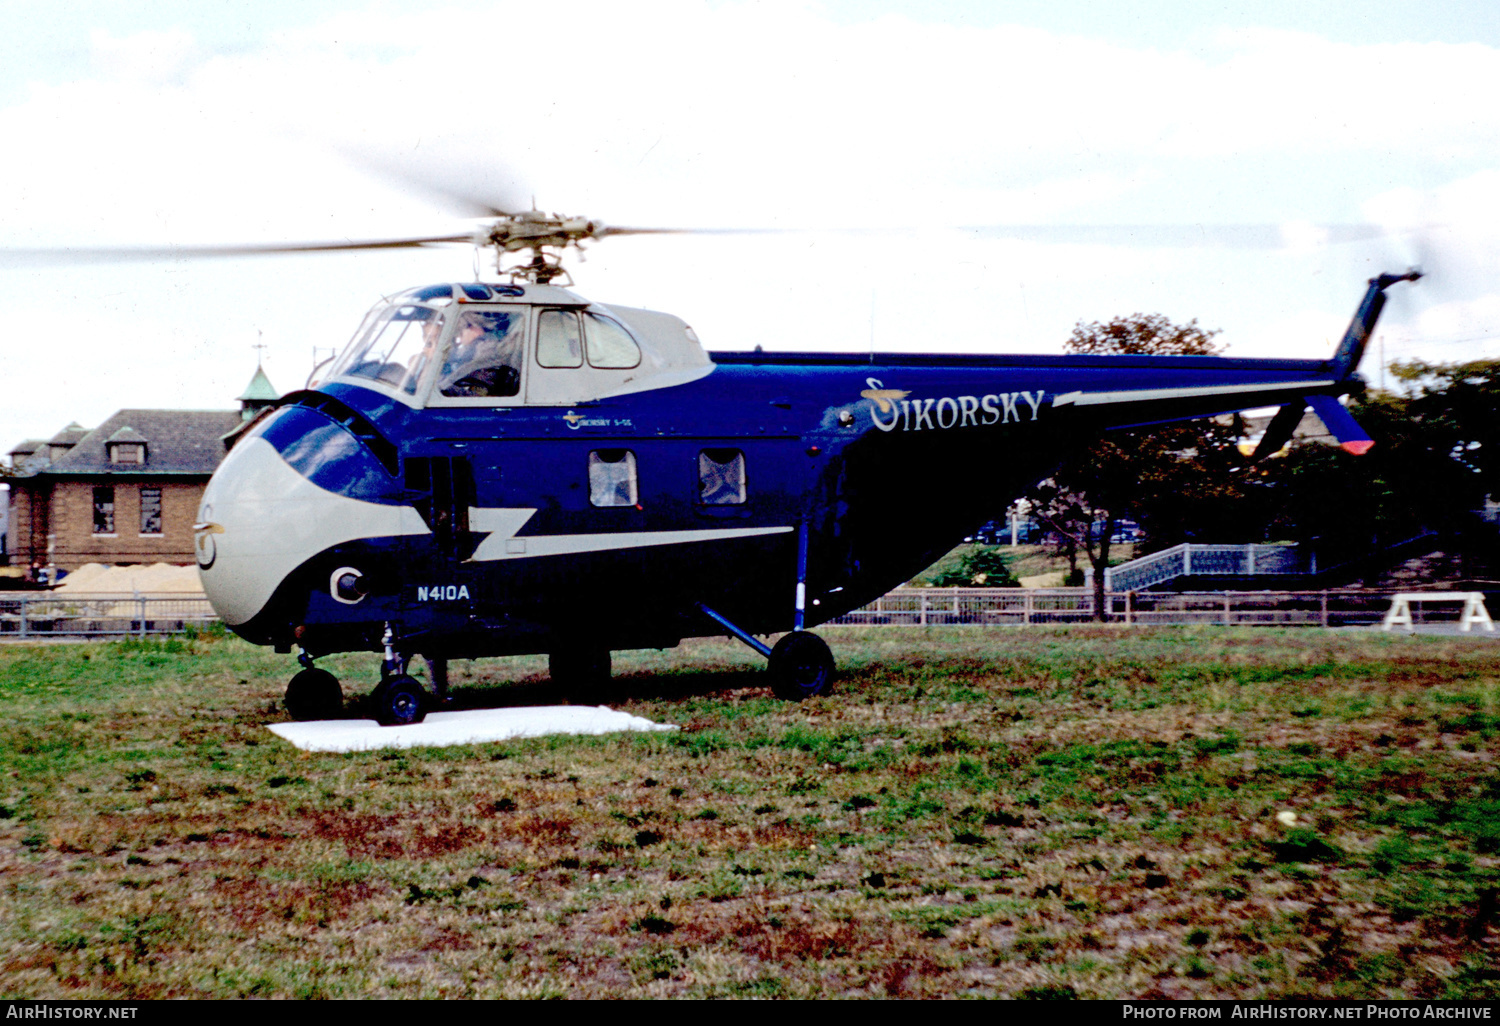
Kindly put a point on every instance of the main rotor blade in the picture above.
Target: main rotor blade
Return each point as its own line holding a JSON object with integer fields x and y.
{"x": 1232, "y": 236}
{"x": 608, "y": 230}
{"x": 106, "y": 254}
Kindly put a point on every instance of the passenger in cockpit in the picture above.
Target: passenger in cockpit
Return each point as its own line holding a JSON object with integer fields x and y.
{"x": 432, "y": 330}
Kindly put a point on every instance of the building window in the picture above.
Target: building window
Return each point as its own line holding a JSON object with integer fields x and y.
{"x": 721, "y": 477}
{"x": 612, "y": 479}
{"x": 104, "y": 509}
{"x": 151, "y": 511}
{"x": 127, "y": 452}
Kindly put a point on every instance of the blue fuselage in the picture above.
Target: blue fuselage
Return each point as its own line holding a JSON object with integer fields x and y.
{"x": 489, "y": 531}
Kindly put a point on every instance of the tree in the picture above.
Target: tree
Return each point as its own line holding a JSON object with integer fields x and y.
{"x": 1153, "y": 472}
{"x": 1436, "y": 457}
{"x": 1457, "y": 406}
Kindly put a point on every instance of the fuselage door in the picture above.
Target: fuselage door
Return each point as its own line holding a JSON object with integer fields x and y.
{"x": 442, "y": 490}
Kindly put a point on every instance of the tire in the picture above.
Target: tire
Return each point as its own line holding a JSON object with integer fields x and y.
{"x": 398, "y": 701}
{"x": 314, "y": 694}
{"x": 801, "y": 667}
{"x": 581, "y": 674}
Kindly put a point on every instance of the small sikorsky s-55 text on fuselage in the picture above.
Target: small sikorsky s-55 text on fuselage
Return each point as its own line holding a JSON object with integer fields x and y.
{"x": 499, "y": 469}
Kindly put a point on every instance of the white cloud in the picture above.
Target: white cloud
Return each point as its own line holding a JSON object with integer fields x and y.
{"x": 746, "y": 114}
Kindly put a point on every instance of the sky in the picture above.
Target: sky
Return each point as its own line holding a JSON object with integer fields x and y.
{"x": 879, "y": 132}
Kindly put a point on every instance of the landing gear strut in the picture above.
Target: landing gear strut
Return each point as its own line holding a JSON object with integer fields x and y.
{"x": 801, "y": 664}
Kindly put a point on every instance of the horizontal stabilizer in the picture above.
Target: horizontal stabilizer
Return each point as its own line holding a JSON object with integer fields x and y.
{"x": 1279, "y": 431}
{"x": 1336, "y": 419}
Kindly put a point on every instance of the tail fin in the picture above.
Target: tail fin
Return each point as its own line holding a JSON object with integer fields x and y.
{"x": 1352, "y": 347}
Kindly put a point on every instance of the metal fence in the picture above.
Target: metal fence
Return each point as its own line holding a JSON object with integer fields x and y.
{"x": 934, "y": 606}
{"x": 89, "y": 616}
{"x": 48, "y": 616}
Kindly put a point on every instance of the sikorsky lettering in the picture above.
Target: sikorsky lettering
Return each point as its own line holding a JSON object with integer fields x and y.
{"x": 443, "y": 593}
{"x": 890, "y": 411}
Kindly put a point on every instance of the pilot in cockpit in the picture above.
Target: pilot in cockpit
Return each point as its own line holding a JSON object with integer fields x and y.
{"x": 486, "y": 356}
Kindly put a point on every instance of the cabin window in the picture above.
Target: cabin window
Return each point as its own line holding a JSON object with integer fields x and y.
{"x": 104, "y": 509}
{"x": 721, "y": 477}
{"x": 610, "y": 346}
{"x": 612, "y": 478}
{"x": 151, "y": 511}
{"x": 557, "y": 341}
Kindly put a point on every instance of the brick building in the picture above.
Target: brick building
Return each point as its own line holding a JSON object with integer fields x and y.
{"x": 125, "y": 492}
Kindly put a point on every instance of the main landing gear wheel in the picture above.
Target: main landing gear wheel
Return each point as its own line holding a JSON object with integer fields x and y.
{"x": 398, "y": 701}
{"x": 801, "y": 667}
{"x": 314, "y": 694}
{"x": 582, "y": 674}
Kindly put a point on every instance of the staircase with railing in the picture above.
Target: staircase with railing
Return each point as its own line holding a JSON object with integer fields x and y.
{"x": 1190, "y": 560}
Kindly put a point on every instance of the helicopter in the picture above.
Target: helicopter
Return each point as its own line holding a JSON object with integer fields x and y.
{"x": 508, "y": 468}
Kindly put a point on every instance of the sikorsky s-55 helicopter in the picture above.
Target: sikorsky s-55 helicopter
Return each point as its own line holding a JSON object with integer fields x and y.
{"x": 493, "y": 469}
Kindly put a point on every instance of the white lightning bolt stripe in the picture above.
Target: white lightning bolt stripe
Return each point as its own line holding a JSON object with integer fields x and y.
{"x": 503, "y": 524}
{"x": 1144, "y": 394}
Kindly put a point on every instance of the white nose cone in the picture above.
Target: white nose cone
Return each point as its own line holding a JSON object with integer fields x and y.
{"x": 260, "y": 520}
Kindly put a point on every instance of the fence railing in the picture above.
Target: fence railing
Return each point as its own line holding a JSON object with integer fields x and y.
{"x": 126, "y": 615}
{"x": 1193, "y": 559}
{"x": 44, "y": 616}
{"x": 935, "y": 606}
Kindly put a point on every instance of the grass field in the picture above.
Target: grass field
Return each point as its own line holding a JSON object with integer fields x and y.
{"x": 1089, "y": 811}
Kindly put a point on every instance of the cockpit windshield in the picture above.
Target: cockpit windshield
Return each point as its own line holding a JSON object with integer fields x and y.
{"x": 395, "y": 345}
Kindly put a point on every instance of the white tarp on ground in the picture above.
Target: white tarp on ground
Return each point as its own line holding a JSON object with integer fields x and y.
{"x": 475, "y": 726}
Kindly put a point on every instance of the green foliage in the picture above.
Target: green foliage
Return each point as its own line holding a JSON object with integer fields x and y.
{"x": 985, "y": 567}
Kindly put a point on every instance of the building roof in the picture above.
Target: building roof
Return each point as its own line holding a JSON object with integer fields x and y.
{"x": 70, "y": 435}
{"x": 27, "y": 446}
{"x": 260, "y": 389}
{"x": 182, "y": 442}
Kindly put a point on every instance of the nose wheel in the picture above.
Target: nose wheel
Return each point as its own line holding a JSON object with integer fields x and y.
{"x": 398, "y": 701}
{"x": 314, "y": 694}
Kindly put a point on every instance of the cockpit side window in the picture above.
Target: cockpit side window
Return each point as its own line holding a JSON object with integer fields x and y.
{"x": 485, "y": 356}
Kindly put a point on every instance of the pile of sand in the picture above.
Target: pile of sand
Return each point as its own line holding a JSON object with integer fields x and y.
{"x": 156, "y": 579}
